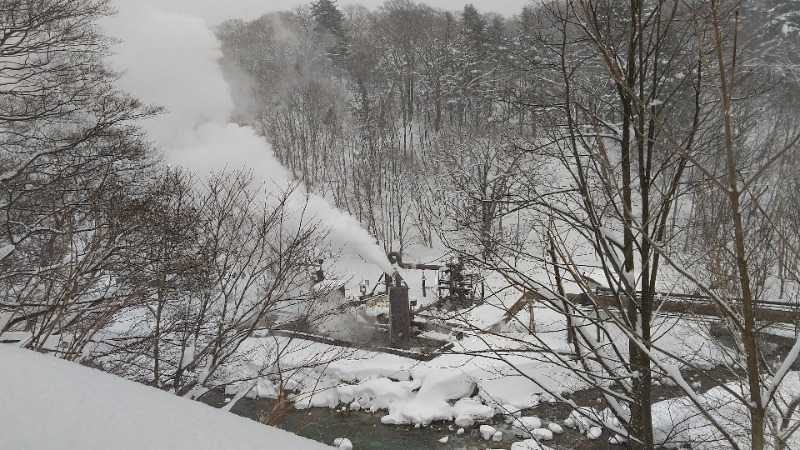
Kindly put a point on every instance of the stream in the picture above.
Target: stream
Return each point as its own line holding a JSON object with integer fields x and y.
{"x": 364, "y": 429}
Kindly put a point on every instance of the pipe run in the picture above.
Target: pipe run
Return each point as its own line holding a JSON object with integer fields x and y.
{"x": 397, "y": 258}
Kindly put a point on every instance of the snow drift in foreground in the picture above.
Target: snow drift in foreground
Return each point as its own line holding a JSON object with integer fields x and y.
{"x": 48, "y": 403}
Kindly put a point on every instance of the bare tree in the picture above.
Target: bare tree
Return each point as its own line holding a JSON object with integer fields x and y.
{"x": 70, "y": 150}
{"x": 683, "y": 118}
{"x": 219, "y": 262}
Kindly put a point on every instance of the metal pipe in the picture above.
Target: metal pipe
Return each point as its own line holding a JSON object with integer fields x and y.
{"x": 397, "y": 258}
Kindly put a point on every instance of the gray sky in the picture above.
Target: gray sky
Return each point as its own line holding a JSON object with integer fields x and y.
{"x": 216, "y": 11}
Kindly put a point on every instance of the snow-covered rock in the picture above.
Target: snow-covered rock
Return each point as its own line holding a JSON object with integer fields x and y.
{"x": 523, "y": 426}
{"x": 545, "y": 397}
{"x": 444, "y": 440}
{"x": 497, "y": 436}
{"x": 542, "y": 434}
{"x": 609, "y": 419}
{"x": 555, "y": 428}
{"x": 291, "y": 384}
{"x": 487, "y": 432}
{"x": 520, "y": 391}
{"x": 583, "y": 418}
{"x": 323, "y": 395}
{"x": 355, "y": 406}
{"x": 343, "y": 444}
{"x": 594, "y": 433}
{"x": 460, "y": 431}
{"x": 617, "y": 440}
{"x": 265, "y": 388}
{"x": 464, "y": 421}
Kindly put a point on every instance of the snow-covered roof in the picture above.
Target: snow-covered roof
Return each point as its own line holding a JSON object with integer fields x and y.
{"x": 48, "y": 403}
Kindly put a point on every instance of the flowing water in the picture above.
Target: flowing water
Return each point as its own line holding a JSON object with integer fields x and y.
{"x": 366, "y": 432}
{"x": 364, "y": 429}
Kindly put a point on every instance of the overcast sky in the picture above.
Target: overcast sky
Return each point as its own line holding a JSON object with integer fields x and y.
{"x": 216, "y": 11}
{"x": 169, "y": 53}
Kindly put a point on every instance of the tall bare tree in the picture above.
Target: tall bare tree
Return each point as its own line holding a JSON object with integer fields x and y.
{"x": 70, "y": 149}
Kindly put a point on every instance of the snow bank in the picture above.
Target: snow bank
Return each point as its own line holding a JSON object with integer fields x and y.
{"x": 430, "y": 402}
{"x": 474, "y": 409}
{"x": 48, "y": 403}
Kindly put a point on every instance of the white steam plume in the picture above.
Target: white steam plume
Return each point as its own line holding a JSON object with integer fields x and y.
{"x": 171, "y": 59}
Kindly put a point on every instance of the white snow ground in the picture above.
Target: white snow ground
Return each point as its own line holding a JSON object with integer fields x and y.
{"x": 49, "y": 403}
{"x": 414, "y": 392}
{"x": 468, "y": 385}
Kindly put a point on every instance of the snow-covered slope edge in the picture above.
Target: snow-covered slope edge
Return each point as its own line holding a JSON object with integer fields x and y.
{"x": 48, "y": 403}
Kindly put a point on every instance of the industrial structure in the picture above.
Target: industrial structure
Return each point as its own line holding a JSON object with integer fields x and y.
{"x": 456, "y": 289}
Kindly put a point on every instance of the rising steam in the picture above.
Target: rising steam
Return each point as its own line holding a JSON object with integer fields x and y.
{"x": 172, "y": 59}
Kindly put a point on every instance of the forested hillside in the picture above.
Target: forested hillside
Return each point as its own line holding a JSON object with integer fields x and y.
{"x": 419, "y": 120}
{"x": 651, "y": 142}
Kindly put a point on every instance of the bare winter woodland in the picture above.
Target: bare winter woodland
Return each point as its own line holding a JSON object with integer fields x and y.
{"x": 658, "y": 136}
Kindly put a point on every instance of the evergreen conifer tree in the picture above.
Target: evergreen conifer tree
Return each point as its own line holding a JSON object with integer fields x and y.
{"x": 330, "y": 27}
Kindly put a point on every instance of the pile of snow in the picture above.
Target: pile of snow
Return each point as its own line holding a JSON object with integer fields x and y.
{"x": 50, "y": 403}
{"x": 421, "y": 397}
{"x": 430, "y": 403}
